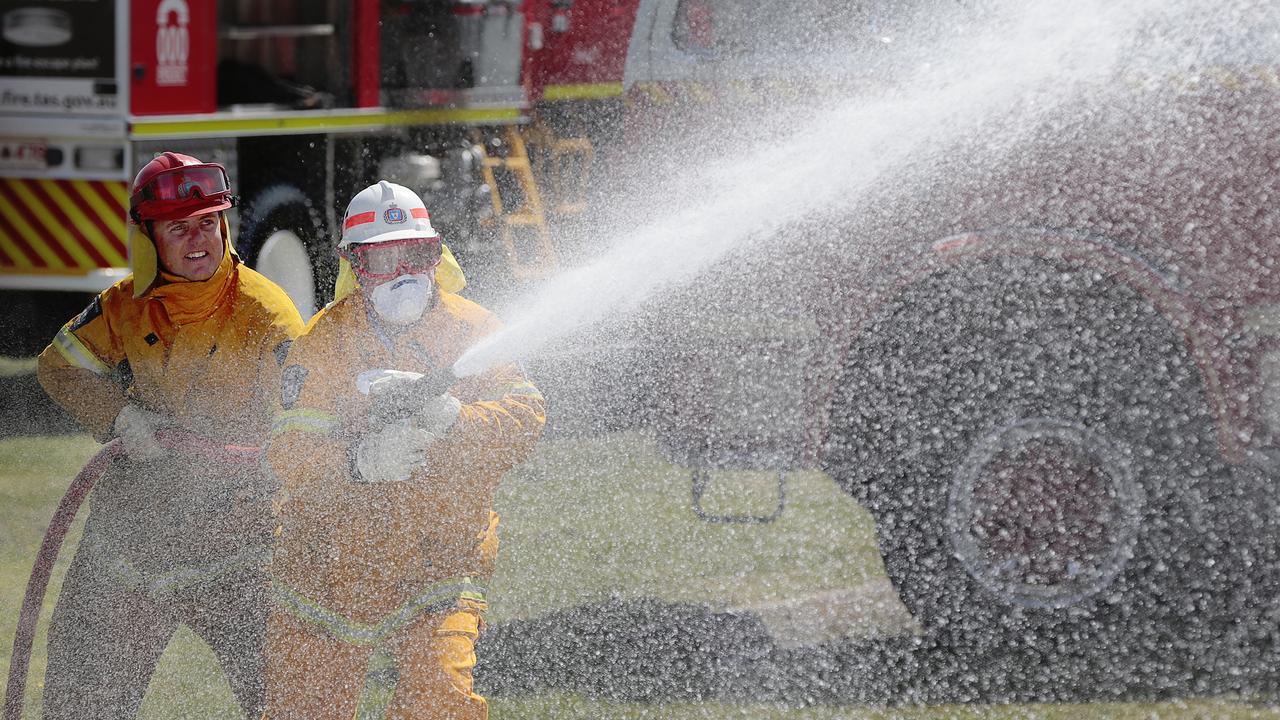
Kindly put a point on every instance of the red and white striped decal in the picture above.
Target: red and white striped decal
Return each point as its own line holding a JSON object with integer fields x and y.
{"x": 368, "y": 217}
{"x": 359, "y": 219}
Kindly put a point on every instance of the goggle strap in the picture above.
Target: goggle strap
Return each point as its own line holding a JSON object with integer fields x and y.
{"x": 135, "y": 213}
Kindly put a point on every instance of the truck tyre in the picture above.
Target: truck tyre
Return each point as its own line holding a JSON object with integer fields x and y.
{"x": 282, "y": 237}
{"x": 1040, "y": 461}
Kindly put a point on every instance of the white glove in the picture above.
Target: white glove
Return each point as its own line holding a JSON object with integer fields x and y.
{"x": 392, "y": 453}
{"x": 379, "y": 384}
{"x": 438, "y": 414}
{"x": 136, "y": 428}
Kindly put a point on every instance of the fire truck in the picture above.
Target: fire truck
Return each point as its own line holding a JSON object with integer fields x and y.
{"x": 304, "y": 103}
{"x": 1043, "y": 354}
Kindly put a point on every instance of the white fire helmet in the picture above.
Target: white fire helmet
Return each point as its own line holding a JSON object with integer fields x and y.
{"x": 385, "y": 212}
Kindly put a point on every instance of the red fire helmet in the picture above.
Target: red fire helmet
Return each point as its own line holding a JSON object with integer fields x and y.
{"x": 174, "y": 186}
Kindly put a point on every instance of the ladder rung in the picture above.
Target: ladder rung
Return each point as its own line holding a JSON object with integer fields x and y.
{"x": 531, "y": 271}
{"x": 524, "y": 219}
{"x": 515, "y": 163}
{"x": 581, "y": 145}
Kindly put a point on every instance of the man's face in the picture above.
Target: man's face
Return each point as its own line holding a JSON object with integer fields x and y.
{"x": 190, "y": 248}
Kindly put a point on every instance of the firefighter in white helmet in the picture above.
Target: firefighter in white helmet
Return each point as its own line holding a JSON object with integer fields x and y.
{"x": 192, "y": 343}
{"x": 387, "y": 534}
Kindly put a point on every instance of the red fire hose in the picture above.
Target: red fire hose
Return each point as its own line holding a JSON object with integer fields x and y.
{"x": 53, "y": 536}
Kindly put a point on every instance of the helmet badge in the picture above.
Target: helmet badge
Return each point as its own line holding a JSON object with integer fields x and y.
{"x": 395, "y": 216}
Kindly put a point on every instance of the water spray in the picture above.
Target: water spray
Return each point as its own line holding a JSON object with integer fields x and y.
{"x": 1036, "y": 60}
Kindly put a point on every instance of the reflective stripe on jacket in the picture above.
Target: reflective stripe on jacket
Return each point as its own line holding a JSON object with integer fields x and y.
{"x": 383, "y": 673}
{"x": 162, "y": 587}
{"x": 435, "y": 598}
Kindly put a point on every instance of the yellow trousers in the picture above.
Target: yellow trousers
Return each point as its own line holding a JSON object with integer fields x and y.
{"x": 311, "y": 675}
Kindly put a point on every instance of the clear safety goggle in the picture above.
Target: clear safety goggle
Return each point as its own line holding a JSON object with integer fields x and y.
{"x": 390, "y": 259}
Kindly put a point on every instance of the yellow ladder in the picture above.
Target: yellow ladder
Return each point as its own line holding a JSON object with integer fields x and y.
{"x": 523, "y": 228}
{"x": 570, "y": 173}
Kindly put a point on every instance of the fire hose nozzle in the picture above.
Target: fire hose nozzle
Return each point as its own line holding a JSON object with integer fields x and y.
{"x": 399, "y": 397}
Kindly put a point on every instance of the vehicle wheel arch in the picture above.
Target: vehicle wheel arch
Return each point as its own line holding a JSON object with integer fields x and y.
{"x": 958, "y": 253}
{"x": 283, "y": 217}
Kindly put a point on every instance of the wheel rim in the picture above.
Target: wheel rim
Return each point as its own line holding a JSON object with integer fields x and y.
{"x": 284, "y": 259}
{"x": 1044, "y": 512}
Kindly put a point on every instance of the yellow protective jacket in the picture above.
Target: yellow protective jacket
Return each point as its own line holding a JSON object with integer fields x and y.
{"x": 362, "y": 551}
{"x": 207, "y": 356}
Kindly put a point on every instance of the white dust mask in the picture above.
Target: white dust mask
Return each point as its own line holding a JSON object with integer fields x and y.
{"x": 401, "y": 301}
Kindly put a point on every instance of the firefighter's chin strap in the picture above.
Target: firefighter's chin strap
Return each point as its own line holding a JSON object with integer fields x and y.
{"x": 382, "y": 674}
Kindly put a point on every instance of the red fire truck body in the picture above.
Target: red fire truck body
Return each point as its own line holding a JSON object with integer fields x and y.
{"x": 1046, "y": 354}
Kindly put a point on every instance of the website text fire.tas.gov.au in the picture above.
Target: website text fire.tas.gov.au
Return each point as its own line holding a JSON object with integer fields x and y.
{"x": 21, "y": 100}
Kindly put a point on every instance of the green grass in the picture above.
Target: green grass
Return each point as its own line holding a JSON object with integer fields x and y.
{"x": 13, "y": 367}
{"x": 585, "y": 520}
{"x": 34, "y": 472}
{"x": 581, "y": 521}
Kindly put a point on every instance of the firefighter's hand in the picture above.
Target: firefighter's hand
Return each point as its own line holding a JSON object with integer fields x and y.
{"x": 393, "y": 395}
{"x": 392, "y": 454}
{"x": 136, "y": 428}
{"x": 438, "y": 414}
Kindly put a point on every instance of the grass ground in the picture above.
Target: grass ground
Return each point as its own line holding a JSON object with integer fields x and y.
{"x": 582, "y": 521}
{"x": 13, "y": 367}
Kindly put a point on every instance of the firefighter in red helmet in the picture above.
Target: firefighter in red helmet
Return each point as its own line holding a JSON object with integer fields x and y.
{"x": 190, "y": 343}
